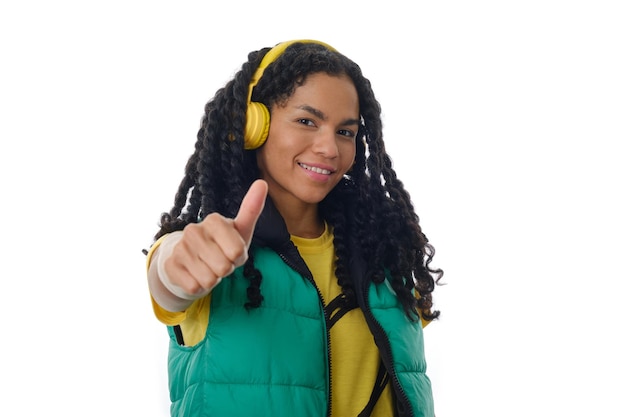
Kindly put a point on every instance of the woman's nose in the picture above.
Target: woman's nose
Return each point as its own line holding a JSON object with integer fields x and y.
{"x": 325, "y": 143}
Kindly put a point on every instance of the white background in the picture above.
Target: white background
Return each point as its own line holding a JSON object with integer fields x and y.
{"x": 506, "y": 121}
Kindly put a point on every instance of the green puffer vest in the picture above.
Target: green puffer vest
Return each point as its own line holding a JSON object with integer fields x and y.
{"x": 274, "y": 360}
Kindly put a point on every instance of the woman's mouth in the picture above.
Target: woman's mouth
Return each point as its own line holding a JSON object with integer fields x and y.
{"x": 315, "y": 169}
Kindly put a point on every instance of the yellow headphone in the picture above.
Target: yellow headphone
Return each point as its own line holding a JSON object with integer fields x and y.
{"x": 257, "y": 115}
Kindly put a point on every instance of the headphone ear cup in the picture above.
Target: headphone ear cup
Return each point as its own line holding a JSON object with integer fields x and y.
{"x": 257, "y": 125}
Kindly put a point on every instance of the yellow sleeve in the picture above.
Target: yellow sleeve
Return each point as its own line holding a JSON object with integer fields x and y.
{"x": 152, "y": 249}
{"x": 168, "y": 318}
{"x": 193, "y": 321}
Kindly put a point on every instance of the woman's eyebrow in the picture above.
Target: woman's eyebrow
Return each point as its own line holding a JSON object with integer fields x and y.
{"x": 321, "y": 115}
{"x": 315, "y": 112}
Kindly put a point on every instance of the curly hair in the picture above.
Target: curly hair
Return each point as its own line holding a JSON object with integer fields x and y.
{"x": 370, "y": 204}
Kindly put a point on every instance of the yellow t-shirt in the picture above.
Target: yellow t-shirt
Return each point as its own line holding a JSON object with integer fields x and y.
{"x": 354, "y": 355}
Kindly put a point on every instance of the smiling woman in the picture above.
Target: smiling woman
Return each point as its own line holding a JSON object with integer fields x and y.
{"x": 292, "y": 272}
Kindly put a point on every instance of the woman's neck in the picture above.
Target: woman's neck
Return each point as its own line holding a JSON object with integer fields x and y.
{"x": 302, "y": 221}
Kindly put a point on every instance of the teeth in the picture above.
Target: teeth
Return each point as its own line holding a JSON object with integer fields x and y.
{"x": 315, "y": 169}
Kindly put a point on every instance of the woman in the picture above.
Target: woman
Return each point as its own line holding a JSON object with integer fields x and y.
{"x": 292, "y": 271}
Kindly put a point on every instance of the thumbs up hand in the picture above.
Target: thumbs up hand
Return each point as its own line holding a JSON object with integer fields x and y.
{"x": 195, "y": 260}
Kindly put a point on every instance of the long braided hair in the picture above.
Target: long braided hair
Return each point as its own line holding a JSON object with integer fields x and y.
{"x": 370, "y": 205}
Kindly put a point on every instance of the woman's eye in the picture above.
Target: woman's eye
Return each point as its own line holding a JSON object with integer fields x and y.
{"x": 306, "y": 122}
{"x": 347, "y": 133}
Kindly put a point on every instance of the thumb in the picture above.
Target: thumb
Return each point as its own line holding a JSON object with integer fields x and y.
{"x": 250, "y": 209}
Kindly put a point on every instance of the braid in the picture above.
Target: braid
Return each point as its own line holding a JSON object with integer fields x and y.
{"x": 254, "y": 288}
{"x": 333, "y": 210}
{"x": 219, "y": 172}
{"x": 402, "y": 247}
{"x": 173, "y": 220}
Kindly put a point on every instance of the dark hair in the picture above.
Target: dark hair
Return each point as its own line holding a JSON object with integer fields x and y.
{"x": 370, "y": 205}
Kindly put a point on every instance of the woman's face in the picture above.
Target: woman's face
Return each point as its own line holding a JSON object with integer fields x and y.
{"x": 311, "y": 142}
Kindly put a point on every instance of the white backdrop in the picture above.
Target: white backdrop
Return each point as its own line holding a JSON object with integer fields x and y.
{"x": 505, "y": 120}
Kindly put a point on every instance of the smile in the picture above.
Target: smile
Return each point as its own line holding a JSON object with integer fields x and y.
{"x": 315, "y": 169}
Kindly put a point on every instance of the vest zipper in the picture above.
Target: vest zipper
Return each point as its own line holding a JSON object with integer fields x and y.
{"x": 404, "y": 404}
{"x": 303, "y": 270}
